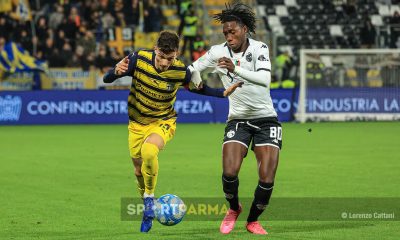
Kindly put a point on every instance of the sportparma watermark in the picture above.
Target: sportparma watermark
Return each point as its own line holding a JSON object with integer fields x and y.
{"x": 279, "y": 209}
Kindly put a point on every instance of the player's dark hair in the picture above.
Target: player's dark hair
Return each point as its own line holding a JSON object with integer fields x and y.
{"x": 168, "y": 42}
{"x": 239, "y": 12}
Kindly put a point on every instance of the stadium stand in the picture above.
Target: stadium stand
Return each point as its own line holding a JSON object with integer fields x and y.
{"x": 329, "y": 24}
{"x": 94, "y": 35}
{"x": 324, "y": 23}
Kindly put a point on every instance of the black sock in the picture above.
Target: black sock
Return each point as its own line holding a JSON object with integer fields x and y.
{"x": 261, "y": 199}
{"x": 231, "y": 186}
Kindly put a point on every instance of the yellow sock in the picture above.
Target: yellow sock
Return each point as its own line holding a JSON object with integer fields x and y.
{"x": 149, "y": 154}
{"x": 140, "y": 185}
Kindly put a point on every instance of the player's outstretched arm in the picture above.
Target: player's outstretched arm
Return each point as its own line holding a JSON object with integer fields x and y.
{"x": 216, "y": 92}
{"x": 121, "y": 69}
{"x": 232, "y": 88}
{"x": 194, "y": 84}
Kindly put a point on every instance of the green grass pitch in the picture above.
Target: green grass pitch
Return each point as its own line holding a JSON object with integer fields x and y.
{"x": 66, "y": 182}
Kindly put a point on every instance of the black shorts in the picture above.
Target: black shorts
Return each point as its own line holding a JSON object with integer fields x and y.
{"x": 259, "y": 132}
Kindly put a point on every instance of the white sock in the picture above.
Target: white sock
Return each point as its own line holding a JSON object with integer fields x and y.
{"x": 145, "y": 195}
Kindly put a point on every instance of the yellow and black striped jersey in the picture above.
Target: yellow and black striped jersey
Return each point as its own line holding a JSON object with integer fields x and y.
{"x": 153, "y": 93}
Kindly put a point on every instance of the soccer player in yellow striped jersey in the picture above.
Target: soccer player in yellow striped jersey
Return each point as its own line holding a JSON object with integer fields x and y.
{"x": 156, "y": 77}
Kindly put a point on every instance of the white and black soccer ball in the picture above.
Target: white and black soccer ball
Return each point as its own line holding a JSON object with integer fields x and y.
{"x": 169, "y": 209}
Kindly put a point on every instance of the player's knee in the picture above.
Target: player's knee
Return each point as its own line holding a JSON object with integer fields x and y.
{"x": 231, "y": 166}
{"x": 149, "y": 152}
{"x": 231, "y": 171}
{"x": 148, "y": 156}
{"x": 268, "y": 175}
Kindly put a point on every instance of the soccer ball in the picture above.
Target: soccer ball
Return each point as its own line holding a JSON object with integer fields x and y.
{"x": 169, "y": 209}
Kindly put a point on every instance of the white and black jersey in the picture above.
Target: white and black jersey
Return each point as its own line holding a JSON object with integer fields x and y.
{"x": 252, "y": 100}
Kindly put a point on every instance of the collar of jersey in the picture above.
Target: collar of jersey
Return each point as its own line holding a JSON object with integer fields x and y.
{"x": 230, "y": 50}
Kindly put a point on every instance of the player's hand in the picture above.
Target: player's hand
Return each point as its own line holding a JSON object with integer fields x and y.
{"x": 232, "y": 88}
{"x": 195, "y": 79}
{"x": 227, "y": 63}
{"x": 122, "y": 66}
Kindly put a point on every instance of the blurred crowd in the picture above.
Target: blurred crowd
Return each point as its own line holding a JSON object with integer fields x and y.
{"x": 72, "y": 33}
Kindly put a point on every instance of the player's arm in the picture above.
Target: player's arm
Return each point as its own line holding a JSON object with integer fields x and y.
{"x": 121, "y": 69}
{"x": 206, "y": 61}
{"x": 216, "y": 92}
{"x": 261, "y": 76}
{"x": 203, "y": 89}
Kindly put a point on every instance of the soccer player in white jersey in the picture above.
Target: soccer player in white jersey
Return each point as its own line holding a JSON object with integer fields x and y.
{"x": 252, "y": 118}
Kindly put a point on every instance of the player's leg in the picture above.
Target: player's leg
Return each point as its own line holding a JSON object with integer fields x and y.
{"x": 267, "y": 161}
{"x": 157, "y": 136}
{"x": 149, "y": 168}
{"x": 136, "y": 134}
{"x": 267, "y": 143}
{"x": 137, "y": 163}
{"x": 236, "y": 141}
{"x": 232, "y": 158}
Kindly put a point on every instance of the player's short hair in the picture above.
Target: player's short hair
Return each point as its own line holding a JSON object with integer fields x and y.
{"x": 239, "y": 12}
{"x": 168, "y": 42}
